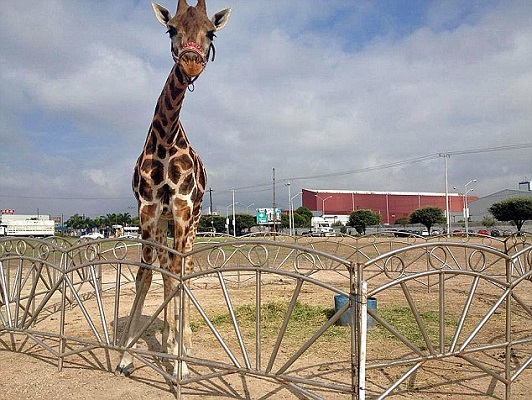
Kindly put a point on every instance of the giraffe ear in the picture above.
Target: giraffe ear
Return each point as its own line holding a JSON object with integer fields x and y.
{"x": 221, "y": 18}
{"x": 161, "y": 13}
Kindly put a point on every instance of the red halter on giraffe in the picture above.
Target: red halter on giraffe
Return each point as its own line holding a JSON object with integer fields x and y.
{"x": 169, "y": 179}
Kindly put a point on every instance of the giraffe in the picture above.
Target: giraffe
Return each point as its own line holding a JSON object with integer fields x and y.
{"x": 169, "y": 179}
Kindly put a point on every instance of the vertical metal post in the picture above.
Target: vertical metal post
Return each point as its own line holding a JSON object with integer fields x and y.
{"x": 62, "y": 321}
{"x": 258, "y": 313}
{"x": 363, "y": 326}
{"x": 508, "y": 349}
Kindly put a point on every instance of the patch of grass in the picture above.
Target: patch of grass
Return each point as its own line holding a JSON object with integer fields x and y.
{"x": 402, "y": 319}
{"x": 307, "y": 319}
{"x": 303, "y": 322}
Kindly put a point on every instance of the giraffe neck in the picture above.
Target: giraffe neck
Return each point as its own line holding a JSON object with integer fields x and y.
{"x": 165, "y": 125}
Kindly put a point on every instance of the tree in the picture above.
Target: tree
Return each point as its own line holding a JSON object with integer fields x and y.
{"x": 243, "y": 222}
{"x": 361, "y": 219}
{"x": 285, "y": 223}
{"x": 209, "y": 222}
{"x": 516, "y": 209}
{"x": 488, "y": 221}
{"x": 300, "y": 221}
{"x": 402, "y": 221}
{"x": 427, "y": 216}
{"x": 302, "y": 217}
{"x": 77, "y": 221}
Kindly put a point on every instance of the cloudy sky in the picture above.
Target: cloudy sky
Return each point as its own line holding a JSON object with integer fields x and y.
{"x": 343, "y": 94}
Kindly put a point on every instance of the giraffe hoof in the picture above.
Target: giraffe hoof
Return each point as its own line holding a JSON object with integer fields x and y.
{"x": 124, "y": 370}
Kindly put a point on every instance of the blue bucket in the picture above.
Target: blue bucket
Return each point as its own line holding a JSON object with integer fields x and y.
{"x": 340, "y": 300}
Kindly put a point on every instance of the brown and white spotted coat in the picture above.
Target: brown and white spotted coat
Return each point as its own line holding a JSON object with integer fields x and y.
{"x": 169, "y": 178}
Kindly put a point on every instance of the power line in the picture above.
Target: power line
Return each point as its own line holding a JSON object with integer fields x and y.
{"x": 264, "y": 187}
{"x": 394, "y": 164}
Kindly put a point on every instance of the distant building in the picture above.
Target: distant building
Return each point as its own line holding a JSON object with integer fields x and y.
{"x": 525, "y": 186}
{"x": 338, "y": 204}
{"x": 479, "y": 209}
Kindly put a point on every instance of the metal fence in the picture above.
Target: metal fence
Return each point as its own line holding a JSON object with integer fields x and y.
{"x": 262, "y": 309}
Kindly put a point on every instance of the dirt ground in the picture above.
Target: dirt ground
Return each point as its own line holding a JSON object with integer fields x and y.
{"x": 32, "y": 373}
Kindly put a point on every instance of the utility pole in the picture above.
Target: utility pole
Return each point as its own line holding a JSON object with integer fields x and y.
{"x": 274, "y": 203}
{"x": 210, "y": 210}
{"x": 289, "y": 210}
{"x": 234, "y": 216}
{"x": 447, "y": 208}
{"x": 210, "y": 201}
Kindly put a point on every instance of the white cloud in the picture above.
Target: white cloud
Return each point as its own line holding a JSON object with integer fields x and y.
{"x": 295, "y": 86}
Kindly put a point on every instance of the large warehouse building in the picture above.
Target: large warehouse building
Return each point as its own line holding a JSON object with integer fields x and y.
{"x": 390, "y": 205}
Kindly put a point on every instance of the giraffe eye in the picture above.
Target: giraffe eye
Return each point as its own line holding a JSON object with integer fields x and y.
{"x": 172, "y": 31}
{"x": 211, "y": 35}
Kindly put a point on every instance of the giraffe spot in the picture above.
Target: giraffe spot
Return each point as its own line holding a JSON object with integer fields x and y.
{"x": 175, "y": 91}
{"x": 174, "y": 172}
{"x": 172, "y": 151}
{"x": 168, "y": 102}
{"x": 175, "y": 116}
{"x": 161, "y": 152}
{"x": 158, "y": 128}
{"x": 151, "y": 145}
{"x": 181, "y": 142}
{"x": 179, "y": 231}
{"x": 187, "y": 185}
{"x": 135, "y": 182}
{"x": 184, "y": 161}
{"x": 155, "y": 169}
{"x": 165, "y": 193}
{"x": 201, "y": 178}
{"x": 179, "y": 166}
{"x": 145, "y": 190}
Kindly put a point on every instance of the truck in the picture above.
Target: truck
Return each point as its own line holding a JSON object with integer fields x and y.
{"x": 28, "y": 227}
{"x": 319, "y": 226}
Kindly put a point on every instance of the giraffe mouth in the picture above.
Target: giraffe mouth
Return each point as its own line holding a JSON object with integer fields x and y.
{"x": 192, "y": 59}
{"x": 191, "y": 68}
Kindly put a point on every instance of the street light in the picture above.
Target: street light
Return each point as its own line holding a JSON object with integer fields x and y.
{"x": 323, "y": 204}
{"x": 247, "y": 207}
{"x": 291, "y": 212}
{"x": 227, "y": 217}
{"x": 466, "y": 208}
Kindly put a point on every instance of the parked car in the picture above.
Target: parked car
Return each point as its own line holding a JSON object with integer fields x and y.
{"x": 435, "y": 232}
{"x": 402, "y": 233}
{"x": 483, "y": 232}
{"x": 495, "y": 233}
{"x": 457, "y": 232}
{"x": 92, "y": 235}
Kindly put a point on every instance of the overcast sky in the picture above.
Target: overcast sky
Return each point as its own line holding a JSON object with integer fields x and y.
{"x": 343, "y": 94}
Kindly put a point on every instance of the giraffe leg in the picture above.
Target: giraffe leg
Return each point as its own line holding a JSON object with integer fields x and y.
{"x": 171, "y": 331}
{"x": 183, "y": 242}
{"x": 142, "y": 283}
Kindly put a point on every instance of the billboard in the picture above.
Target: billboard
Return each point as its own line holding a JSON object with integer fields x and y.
{"x": 265, "y": 216}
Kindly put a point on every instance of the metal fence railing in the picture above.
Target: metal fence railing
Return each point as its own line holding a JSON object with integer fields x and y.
{"x": 263, "y": 309}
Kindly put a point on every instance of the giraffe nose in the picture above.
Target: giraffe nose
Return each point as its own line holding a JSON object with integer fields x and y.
{"x": 191, "y": 59}
{"x": 192, "y": 64}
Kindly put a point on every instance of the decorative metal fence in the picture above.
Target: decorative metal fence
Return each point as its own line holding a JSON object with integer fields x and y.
{"x": 262, "y": 309}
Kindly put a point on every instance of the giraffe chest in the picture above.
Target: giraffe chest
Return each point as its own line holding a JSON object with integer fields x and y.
{"x": 167, "y": 173}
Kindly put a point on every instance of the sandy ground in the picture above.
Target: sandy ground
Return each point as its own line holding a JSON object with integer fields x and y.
{"x": 32, "y": 372}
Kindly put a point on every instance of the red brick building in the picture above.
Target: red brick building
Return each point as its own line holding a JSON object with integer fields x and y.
{"x": 390, "y": 205}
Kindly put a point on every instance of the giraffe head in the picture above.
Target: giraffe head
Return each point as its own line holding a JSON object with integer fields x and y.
{"x": 192, "y": 33}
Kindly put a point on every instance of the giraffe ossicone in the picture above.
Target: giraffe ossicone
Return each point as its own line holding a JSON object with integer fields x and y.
{"x": 169, "y": 179}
